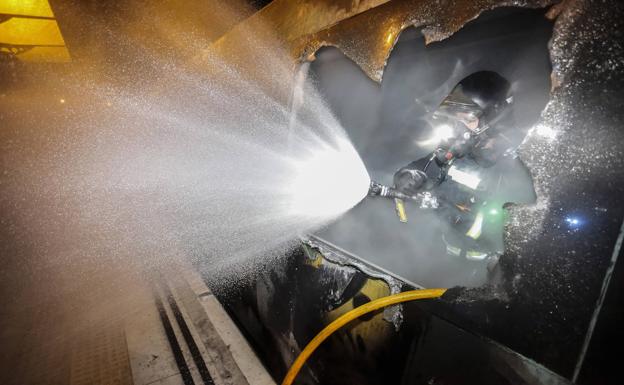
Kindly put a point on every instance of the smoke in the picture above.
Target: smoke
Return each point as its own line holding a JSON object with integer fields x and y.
{"x": 390, "y": 127}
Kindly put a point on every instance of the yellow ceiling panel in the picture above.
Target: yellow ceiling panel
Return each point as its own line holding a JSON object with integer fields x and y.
{"x": 46, "y": 54}
{"x": 40, "y": 8}
{"x": 23, "y": 31}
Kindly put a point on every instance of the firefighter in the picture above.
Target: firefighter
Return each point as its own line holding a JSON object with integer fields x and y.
{"x": 472, "y": 127}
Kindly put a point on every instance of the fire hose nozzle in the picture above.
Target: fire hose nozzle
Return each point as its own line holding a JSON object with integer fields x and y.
{"x": 378, "y": 189}
{"x": 425, "y": 200}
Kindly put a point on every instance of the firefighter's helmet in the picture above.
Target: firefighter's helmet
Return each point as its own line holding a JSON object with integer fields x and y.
{"x": 482, "y": 97}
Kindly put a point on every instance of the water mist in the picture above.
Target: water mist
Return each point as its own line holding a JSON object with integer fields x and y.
{"x": 160, "y": 157}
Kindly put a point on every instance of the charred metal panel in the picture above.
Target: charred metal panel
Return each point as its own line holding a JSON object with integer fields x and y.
{"x": 284, "y": 309}
{"x": 554, "y": 270}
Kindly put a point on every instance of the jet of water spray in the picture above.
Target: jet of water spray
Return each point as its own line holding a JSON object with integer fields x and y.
{"x": 140, "y": 155}
{"x": 222, "y": 159}
{"x": 328, "y": 182}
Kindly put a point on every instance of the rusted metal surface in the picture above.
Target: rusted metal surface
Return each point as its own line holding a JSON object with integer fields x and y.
{"x": 272, "y": 30}
{"x": 300, "y": 17}
{"x": 368, "y": 38}
{"x": 365, "y": 31}
{"x": 292, "y": 19}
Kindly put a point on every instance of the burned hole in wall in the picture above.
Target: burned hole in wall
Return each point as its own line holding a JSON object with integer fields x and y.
{"x": 392, "y": 124}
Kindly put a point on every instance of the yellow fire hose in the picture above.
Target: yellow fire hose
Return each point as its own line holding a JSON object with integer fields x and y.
{"x": 350, "y": 316}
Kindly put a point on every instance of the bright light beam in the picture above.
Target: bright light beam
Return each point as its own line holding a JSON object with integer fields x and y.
{"x": 329, "y": 182}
